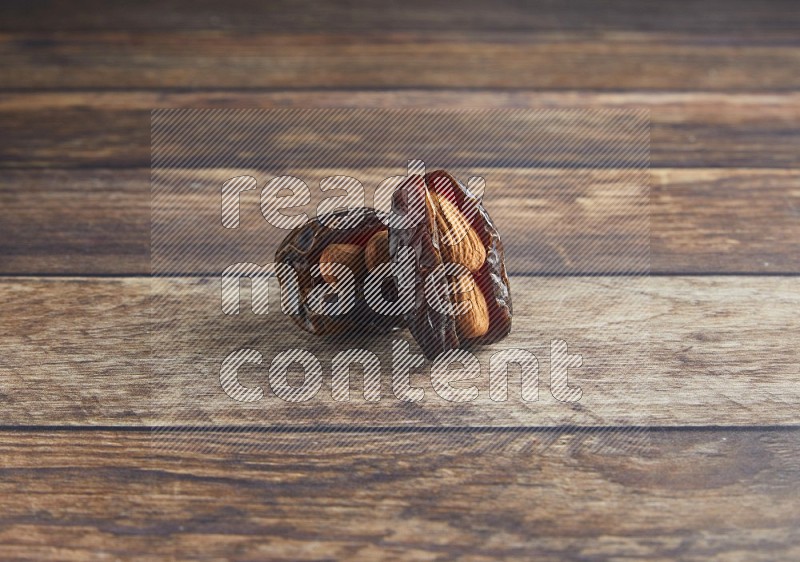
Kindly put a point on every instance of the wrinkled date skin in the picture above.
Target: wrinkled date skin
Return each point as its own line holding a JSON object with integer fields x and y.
{"x": 302, "y": 250}
{"x": 451, "y": 227}
{"x": 436, "y": 332}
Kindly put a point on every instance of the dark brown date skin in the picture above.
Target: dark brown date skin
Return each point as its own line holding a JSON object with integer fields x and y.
{"x": 436, "y": 332}
{"x": 302, "y": 249}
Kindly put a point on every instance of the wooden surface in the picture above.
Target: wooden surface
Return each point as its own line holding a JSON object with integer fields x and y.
{"x": 707, "y": 466}
{"x": 408, "y": 59}
{"x": 702, "y": 220}
{"x": 111, "y": 129}
{"x": 679, "y": 345}
{"x": 689, "y": 494}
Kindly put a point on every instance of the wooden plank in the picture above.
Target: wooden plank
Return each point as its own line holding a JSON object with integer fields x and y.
{"x": 588, "y": 221}
{"x": 702, "y": 221}
{"x": 58, "y": 221}
{"x": 690, "y": 495}
{"x": 447, "y": 58}
{"x": 388, "y": 137}
{"x": 418, "y": 15}
{"x": 79, "y": 129}
{"x": 720, "y": 218}
{"x": 722, "y": 351}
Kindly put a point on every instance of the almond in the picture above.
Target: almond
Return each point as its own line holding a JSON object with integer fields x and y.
{"x": 474, "y": 322}
{"x": 377, "y": 250}
{"x": 350, "y": 255}
{"x": 458, "y": 241}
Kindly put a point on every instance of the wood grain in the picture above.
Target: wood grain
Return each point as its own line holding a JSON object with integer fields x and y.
{"x": 720, "y": 79}
{"x": 701, "y": 221}
{"x": 96, "y": 129}
{"x": 419, "y": 15}
{"x": 447, "y": 58}
{"x": 689, "y": 495}
{"x": 721, "y": 352}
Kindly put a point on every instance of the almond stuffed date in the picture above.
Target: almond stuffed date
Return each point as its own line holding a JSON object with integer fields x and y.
{"x": 455, "y": 229}
{"x": 356, "y": 239}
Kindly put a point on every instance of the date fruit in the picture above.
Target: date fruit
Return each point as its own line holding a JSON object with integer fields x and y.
{"x": 456, "y": 230}
{"x": 451, "y": 288}
{"x": 323, "y": 241}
